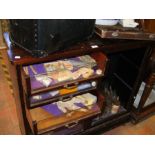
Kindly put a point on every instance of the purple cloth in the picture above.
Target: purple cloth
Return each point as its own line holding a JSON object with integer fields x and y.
{"x": 39, "y": 69}
{"x": 52, "y": 109}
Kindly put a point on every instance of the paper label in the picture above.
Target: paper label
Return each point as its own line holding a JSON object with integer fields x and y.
{"x": 94, "y": 46}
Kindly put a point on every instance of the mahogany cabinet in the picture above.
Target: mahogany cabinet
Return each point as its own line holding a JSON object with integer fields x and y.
{"x": 43, "y": 116}
{"x": 122, "y": 63}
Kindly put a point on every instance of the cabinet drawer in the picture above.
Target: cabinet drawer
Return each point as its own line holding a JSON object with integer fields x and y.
{"x": 69, "y": 129}
{"x": 59, "y": 94}
{"x": 51, "y": 118}
{"x": 39, "y": 78}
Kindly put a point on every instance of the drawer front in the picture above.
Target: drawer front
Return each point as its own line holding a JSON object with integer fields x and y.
{"x": 48, "y": 118}
{"x": 40, "y": 78}
{"x": 73, "y": 127}
{"x": 70, "y": 129}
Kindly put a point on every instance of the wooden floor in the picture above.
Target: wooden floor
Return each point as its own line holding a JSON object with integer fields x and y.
{"x": 9, "y": 123}
{"x": 8, "y": 117}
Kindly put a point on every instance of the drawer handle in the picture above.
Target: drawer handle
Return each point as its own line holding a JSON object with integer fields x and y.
{"x": 115, "y": 34}
{"x": 71, "y": 87}
{"x": 71, "y": 125}
{"x": 66, "y": 99}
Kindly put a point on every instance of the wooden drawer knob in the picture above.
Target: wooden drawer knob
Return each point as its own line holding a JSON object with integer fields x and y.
{"x": 71, "y": 125}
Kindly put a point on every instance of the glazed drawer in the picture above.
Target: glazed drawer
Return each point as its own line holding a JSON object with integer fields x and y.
{"x": 51, "y": 119}
{"x": 39, "y": 78}
{"x": 59, "y": 94}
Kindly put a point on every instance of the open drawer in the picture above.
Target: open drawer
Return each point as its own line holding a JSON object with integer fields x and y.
{"x": 53, "y": 117}
{"x": 59, "y": 94}
{"x": 44, "y": 77}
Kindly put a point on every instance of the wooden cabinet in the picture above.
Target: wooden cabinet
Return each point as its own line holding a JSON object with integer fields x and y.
{"x": 45, "y": 116}
{"x": 121, "y": 63}
{"x": 49, "y": 118}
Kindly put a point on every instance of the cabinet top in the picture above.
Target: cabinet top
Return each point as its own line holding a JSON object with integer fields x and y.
{"x": 19, "y": 56}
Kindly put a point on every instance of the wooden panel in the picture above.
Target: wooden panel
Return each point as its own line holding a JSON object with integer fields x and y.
{"x": 149, "y": 25}
{"x": 101, "y": 60}
{"x": 125, "y": 34}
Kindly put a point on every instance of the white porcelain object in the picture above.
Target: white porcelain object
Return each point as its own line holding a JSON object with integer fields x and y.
{"x": 128, "y": 23}
{"x": 106, "y": 22}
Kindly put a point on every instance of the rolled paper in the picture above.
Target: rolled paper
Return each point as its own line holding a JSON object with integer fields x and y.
{"x": 54, "y": 93}
{"x": 94, "y": 83}
{"x": 98, "y": 71}
{"x": 37, "y": 97}
{"x": 84, "y": 86}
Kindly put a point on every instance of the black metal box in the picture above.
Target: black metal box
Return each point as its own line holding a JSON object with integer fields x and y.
{"x": 43, "y": 36}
